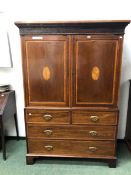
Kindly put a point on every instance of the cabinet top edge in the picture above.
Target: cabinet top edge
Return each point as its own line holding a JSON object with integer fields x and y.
{"x": 72, "y": 27}
{"x": 71, "y": 22}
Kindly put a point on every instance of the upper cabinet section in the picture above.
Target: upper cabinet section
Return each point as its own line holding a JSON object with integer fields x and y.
{"x": 72, "y": 64}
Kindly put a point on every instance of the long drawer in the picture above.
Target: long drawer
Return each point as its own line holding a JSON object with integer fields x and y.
{"x": 97, "y": 118}
{"x": 47, "y": 116}
{"x": 72, "y": 132}
{"x": 71, "y": 148}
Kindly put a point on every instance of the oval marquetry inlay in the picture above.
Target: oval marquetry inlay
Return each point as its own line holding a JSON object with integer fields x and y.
{"x": 46, "y": 73}
{"x": 95, "y": 73}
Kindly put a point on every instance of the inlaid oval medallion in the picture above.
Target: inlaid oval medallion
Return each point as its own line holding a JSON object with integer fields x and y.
{"x": 95, "y": 73}
{"x": 46, "y": 73}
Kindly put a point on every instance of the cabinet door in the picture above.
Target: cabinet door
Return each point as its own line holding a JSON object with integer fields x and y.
{"x": 96, "y": 70}
{"x": 45, "y": 60}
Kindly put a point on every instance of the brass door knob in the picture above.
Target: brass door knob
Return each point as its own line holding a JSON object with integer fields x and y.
{"x": 93, "y": 133}
{"x": 94, "y": 118}
{"x": 48, "y": 132}
{"x": 47, "y": 117}
{"x": 48, "y": 147}
{"x": 92, "y": 148}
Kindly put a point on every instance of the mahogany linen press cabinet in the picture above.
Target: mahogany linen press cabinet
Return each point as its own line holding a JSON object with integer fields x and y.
{"x": 71, "y": 83}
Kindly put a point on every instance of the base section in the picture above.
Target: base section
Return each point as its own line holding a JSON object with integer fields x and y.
{"x": 111, "y": 161}
{"x": 30, "y": 160}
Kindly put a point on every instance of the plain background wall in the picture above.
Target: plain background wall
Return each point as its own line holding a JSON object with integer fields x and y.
{"x": 49, "y": 10}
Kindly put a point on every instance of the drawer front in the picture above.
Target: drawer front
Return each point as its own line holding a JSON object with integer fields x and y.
{"x": 72, "y": 132}
{"x": 72, "y": 148}
{"x": 104, "y": 118}
{"x": 45, "y": 116}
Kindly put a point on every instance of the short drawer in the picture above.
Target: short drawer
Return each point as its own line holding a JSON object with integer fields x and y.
{"x": 61, "y": 148}
{"x": 72, "y": 132}
{"x": 103, "y": 118}
{"x": 47, "y": 116}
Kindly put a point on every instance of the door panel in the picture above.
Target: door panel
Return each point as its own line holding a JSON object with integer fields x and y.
{"x": 47, "y": 65}
{"x": 94, "y": 70}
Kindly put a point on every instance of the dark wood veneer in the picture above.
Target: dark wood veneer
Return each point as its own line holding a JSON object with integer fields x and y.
{"x": 77, "y": 148}
{"x": 51, "y": 53}
{"x": 89, "y": 53}
{"x": 76, "y": 132}
{"x": 71, "y": 83}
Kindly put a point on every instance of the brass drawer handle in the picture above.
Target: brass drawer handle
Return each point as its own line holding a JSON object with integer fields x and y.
{"x": 94, "y": 118}
{"x": 49, "y": 147}
{"x": 92, "y": 148}
{"x": 48, "y": 132}
{"x": 47, "y": 117}
{"x": 93, "y": 133}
